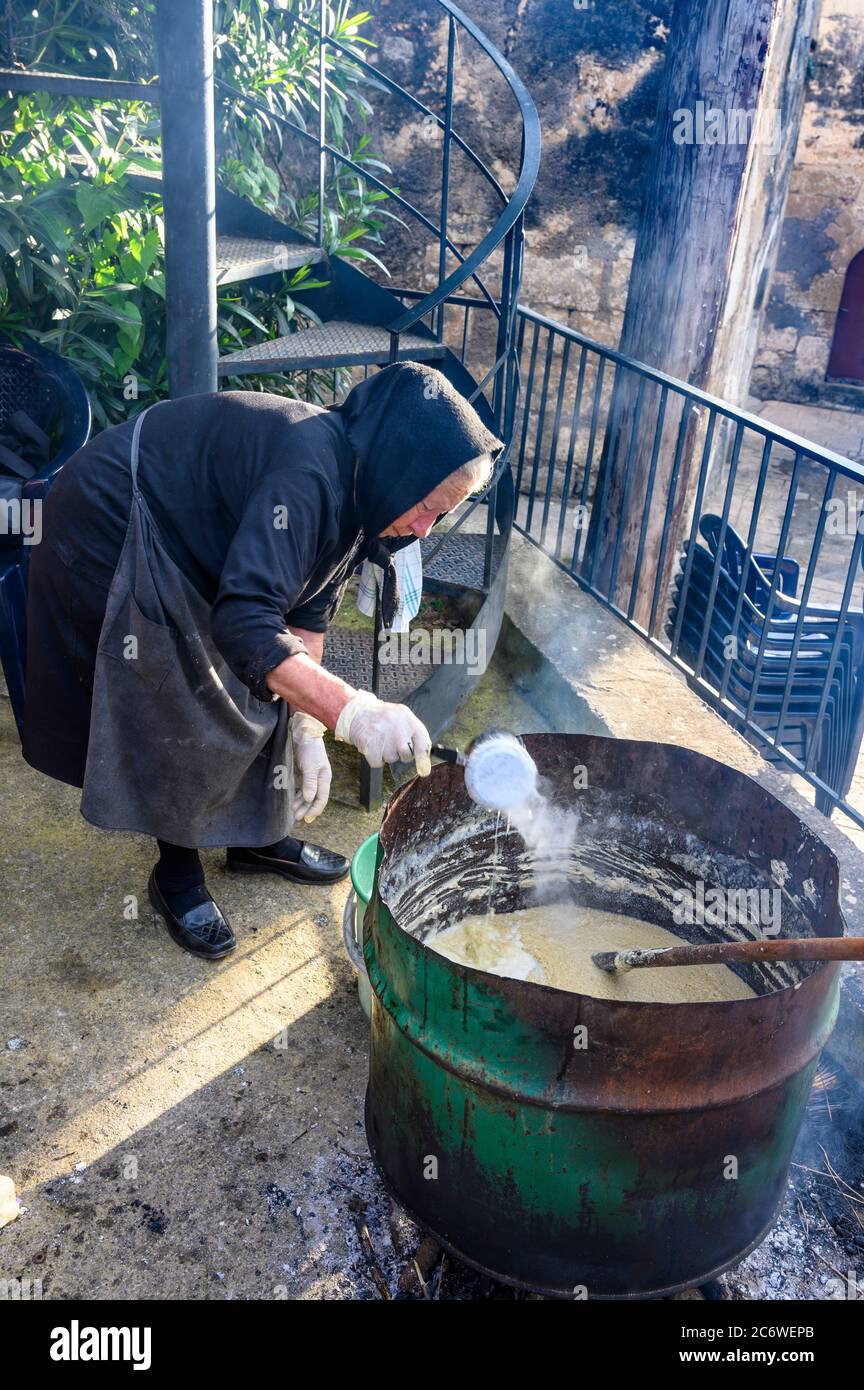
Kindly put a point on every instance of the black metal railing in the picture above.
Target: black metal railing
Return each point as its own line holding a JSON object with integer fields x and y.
{"x": 731, "y": 545}
{"x": 507, "y": 232}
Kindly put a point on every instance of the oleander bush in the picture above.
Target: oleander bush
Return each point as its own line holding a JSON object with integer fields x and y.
{"x": 81, "y": 228}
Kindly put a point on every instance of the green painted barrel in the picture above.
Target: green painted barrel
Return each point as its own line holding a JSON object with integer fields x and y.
{"x": 571, "y": 1145}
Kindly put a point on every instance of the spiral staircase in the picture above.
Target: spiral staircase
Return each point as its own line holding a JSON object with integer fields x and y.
{"x": 214, "y": 238}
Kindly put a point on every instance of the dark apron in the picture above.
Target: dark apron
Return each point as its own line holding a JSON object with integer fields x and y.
{"x": 179, "y": 747}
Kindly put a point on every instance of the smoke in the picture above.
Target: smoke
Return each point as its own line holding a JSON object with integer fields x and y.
{"x": 549, "y": 833}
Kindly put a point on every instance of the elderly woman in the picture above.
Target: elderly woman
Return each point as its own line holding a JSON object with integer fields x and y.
{"x": 191, "y": 562}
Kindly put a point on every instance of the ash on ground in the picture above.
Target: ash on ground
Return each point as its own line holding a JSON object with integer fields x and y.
{"x": 815, "y": 1250}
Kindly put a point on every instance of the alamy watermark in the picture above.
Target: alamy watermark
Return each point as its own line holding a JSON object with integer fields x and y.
{"x": 851, "y": 1288}
{"x": 437, "y": 646}
{"x": 703, "y": 124}
{"x": 844, "y": 515}
{"x": 20, "y": 1290}
{"x": 77, "y": 1343}
{"x": 700, "y": 905}
{"x": 21, "y": 516}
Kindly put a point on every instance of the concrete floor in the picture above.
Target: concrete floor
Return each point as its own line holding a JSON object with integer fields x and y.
{"x": 840, "y": 430}
{"x": 180, "y": 1130}
{"x": 177, "y": 1129}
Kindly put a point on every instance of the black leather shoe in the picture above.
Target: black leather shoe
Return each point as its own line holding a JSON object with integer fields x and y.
{"x": 315, "y": 865}
{"x": 201, "y": 930}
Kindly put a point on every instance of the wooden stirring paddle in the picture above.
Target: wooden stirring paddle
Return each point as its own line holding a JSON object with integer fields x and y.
{"x": 726, "y": 952}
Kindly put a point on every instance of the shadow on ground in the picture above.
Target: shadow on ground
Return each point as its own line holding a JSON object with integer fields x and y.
{"x": 178, "y": 1129}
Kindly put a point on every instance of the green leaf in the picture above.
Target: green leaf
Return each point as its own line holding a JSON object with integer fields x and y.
{"x": 54, "y": 275}
{"x": 150, "y": 248}
{"x": 95, "y": 348}
{"x": 362, "y": 253}
{"x": 127, "y": 308}
{"x": 95, "y": 203}
{"x": 8, "y": 240}
{"x": 247, "y": 314}
{"x": 144, "y": 164}
{"x": 131, "y": 267}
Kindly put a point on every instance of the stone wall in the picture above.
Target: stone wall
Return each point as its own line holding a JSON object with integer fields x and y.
{"x": 824, "y": 223}
{"x": 594, "y": 70}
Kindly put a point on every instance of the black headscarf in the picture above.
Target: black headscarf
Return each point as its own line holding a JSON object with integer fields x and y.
{"x": 410, "y": 429}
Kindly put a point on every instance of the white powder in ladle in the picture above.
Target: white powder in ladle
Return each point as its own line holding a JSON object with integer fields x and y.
{"x": 500, "y": 773}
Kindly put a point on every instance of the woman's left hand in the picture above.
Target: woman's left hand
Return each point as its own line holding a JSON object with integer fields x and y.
{"x": 313, "y": 785}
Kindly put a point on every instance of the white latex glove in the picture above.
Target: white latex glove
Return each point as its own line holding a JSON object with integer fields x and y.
{"x": 9, "y": 1208}
{"x": 385, "y": 733}
{"x": 313, "y": 765}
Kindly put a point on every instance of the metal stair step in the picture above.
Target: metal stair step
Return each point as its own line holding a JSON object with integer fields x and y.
{"x": 348, "y": 654}
{"x": 243, "y": 257}
{"x": 460, "y": 560}
{"x": 337, "y": 343}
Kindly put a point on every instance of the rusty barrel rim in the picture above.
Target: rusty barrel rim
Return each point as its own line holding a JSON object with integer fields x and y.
{"x": 802, "y": 1014}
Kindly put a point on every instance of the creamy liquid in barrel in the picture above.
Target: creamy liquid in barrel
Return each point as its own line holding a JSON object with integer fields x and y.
{"x": 553, "y": 946}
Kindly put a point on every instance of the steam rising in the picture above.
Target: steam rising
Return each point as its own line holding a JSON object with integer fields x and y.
{"x": 549, "y": 833}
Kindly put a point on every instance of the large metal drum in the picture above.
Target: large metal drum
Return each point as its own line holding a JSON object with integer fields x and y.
{"x": 572, "y": 1145}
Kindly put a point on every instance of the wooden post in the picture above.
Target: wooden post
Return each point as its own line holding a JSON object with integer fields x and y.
{"x": 724, "y": 144}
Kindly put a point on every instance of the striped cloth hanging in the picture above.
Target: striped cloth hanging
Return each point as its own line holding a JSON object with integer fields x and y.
{"x": 409, "y": 571}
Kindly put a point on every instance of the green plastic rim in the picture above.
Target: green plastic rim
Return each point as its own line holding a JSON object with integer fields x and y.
{"x": 363, "y": 868}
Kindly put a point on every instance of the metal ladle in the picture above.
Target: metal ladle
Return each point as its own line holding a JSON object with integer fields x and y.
{"x": 500, "y": 773}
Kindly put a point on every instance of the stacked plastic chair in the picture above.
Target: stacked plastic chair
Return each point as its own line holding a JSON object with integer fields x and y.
{"x": 753, "y": 661}
{"x": 53, "y": 395}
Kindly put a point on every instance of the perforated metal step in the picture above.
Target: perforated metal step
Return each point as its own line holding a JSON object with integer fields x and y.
{"x": 242, "y": 258}
{"x": 460, "y": 561}
{"x": 338, "y": 343}
{"x": 348, "y": 654}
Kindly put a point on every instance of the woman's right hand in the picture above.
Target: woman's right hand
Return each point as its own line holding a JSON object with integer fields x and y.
{"x": 385, "y": 733}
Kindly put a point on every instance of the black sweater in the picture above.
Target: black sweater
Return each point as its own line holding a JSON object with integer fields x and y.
{"x": 268, "y": 505}
{"x": 252, "y": 494}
